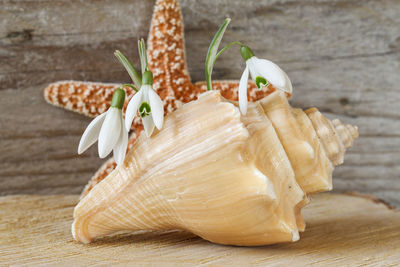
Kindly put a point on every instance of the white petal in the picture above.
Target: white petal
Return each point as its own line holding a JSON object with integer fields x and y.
{"x": 272, "y": 73}
{"x": 148, "y": 125}
{"x": 157, "y": 108}
{"x": 110, "y": 131}
{"x": 288, "y": 88}
{"x": 132, "y": 108}
{"x": 91, "y": 133}
{"x": 252, "y": 68}
{"x": 243, "y": 91}
{"x": 120, "y": 148}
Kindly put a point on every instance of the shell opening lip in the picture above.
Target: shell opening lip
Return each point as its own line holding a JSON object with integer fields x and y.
{"x": 295, "y": 236}
{"x": 76, "y": 234}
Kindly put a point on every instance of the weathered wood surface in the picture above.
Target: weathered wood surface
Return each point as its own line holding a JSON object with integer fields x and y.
{"x": 341, "y": 231}
{"x": 342, "y": 56}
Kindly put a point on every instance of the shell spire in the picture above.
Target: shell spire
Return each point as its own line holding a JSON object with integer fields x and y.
{"x": 230, "y": 179}
{"x": 333, "y": 135}
{"x": 347, "y": 132}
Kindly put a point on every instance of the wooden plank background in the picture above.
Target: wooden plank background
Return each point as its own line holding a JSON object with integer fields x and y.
{"x": 342, "y": 56}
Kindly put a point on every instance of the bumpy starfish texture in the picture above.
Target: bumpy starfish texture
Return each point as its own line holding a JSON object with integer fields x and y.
{"x": 167, "y": 60}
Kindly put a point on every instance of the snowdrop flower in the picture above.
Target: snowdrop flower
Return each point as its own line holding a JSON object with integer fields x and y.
{"x": 262, "y": 72}
{"x": 108, "y": 128}
{"x": 149, "y": 105}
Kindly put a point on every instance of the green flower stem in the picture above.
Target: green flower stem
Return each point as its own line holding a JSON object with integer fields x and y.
{"x": 118, "y": 99}
{"x": 147, "y": 78}
{"x": 225, "y": 48}
{"x": 246, "y": 52}
{"x": 131, "y": 86}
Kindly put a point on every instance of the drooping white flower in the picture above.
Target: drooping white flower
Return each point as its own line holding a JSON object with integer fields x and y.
{"x": 149, "y": 105}
{"x": 262, "y": 72}
{"x": 108, "y": 129}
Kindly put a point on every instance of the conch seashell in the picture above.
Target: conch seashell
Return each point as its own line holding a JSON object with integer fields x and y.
{"x": 228, "y": 178}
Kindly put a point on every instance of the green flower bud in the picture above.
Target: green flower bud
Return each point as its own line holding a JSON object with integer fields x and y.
{"x": 246, "y": 52}
{"x": 118, "y": 99}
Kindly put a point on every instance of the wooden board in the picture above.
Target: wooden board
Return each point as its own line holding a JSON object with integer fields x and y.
{"x": 342, "y": 56}
{"x": 342, "y": 230}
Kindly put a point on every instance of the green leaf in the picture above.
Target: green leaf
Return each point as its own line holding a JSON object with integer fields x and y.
{"x": 129, "y": 68}
{"x": 212, "y": 52}
{"x": 142, "y": 55}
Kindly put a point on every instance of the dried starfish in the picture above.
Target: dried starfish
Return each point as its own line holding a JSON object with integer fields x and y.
{"x": 167, "y": 61}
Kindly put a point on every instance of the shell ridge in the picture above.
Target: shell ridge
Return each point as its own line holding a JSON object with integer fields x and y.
{"x": 259, "y": 124}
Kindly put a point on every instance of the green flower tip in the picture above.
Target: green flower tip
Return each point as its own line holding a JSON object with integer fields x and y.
{"x": 147, "y": 77}
{"x": 144, "y": 109}
{"x": 261, "y": 81}
{"x": 246, "y": 52}
{"x": 118, "y": 99}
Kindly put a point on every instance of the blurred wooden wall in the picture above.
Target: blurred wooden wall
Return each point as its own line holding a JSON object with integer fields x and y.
{"x": 342, "y": 56}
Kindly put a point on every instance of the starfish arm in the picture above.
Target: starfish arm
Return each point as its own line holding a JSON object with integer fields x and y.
{"x": 88, "y": 98}
{"x": 167, "y": 56}
{"x": 105, "y": 169}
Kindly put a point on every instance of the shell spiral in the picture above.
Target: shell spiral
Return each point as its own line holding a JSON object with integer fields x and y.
{"x": 230, "y": 179}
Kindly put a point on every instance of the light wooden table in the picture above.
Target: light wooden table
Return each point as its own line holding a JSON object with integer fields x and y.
{"x": 342, "y": 230}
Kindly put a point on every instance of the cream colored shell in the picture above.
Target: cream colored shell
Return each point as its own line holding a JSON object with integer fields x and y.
{"x": 230, "y": 179}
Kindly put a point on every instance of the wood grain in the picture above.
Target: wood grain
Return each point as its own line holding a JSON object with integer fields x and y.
{"x": 341, "y": 231}
{"x": 342, "y": 56}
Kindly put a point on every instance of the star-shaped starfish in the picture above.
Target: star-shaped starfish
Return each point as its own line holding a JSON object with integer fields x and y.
{"x": 167, "y": 60}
